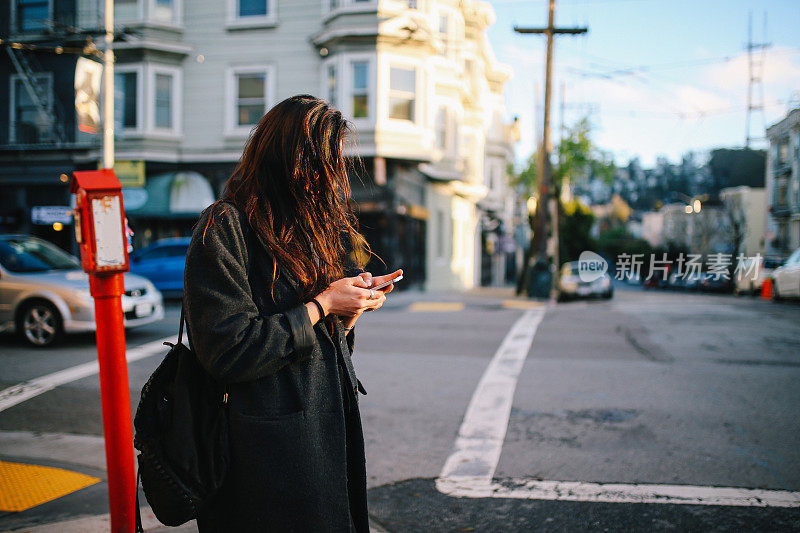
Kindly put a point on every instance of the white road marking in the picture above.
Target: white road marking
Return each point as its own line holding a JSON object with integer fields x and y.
{"x": 480, "y": 438}
{"x": 618, "y": 492}
{"x": 29, "y": 389}
{"x": 469, "y": 470}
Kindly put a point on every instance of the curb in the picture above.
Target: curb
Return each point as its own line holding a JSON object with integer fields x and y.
{"x": 102, "y": 524}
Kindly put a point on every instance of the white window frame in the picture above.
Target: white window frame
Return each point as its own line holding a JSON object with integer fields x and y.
{"x": 140, "y": 96}
{"x": 403, "y": 94}
{"x": 444, "y": 37}
{"x": 177, "y": 19}
{"x": 177, "y": 100}
{"x": 231, "y": 94}
{"x": 339, "y": 66}
{"x": 420, "y": 103}
{"x": 447, "y": 134}
{"x": 12, "y": 102}
{"x": 347, "y": 6}
{"x": 14, "y": 30}
{"x": 346, "y": 88}
{"x": 139, "y": 11}
{"x": 258, "y": 21}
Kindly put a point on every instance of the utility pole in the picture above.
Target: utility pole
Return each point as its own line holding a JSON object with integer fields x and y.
{"x": 539, "y": 239}
{"x": 755, "y": 70}
{"x": 108, "y": 87}
{"x": 556, "y": 201}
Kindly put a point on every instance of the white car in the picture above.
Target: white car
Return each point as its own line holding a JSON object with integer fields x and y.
{"x": 752, "y": 273}
{"x": 44, "y": 293}
{"x": 786, "y": 278}
{"x": 571, "y": 285}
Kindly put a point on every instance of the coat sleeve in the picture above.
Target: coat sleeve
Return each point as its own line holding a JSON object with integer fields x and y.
{"x": 231, "y": 338}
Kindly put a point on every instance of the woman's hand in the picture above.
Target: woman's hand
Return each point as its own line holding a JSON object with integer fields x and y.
{"x": 377, "y": 280}
{"x": 349, "y": 297}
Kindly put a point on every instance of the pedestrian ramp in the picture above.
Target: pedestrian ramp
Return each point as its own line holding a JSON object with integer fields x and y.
{"x": 23, "y": 486}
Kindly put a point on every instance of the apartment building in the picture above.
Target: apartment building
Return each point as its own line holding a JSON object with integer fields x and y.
{"x": 783, "y": 185}
{"x": 417, "y": 79}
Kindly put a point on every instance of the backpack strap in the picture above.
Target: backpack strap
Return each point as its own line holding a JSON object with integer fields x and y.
{"x": 180, "y": 327}
{"x": 138, "y": 512}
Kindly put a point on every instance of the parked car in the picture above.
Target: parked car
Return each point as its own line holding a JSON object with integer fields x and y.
{"x": 572, "y": 286}
{"x": 692, "y": 281}
{"x": 162, "y": 263}
{"x": 786, "y": 278}
{"x": 676, "y": 281}
{"x": 44, "y": 293}
{"x": 752, "y": 273}
{"x": 711, "y": 282}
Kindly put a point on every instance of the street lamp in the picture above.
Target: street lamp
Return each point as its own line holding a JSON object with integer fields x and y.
{"x": 531, "y": 203}
{"x": 693, "y": 205}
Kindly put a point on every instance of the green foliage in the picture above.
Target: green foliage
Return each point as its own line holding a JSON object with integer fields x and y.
{"x": 577, "y": 157}
{"x": 528, "y": 178}
{"x": 574, "y": 152}
{"x": 575, "y": 231}
{"x": 618, "y": 240}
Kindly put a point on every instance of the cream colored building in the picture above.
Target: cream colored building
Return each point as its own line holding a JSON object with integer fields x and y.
{"x": 748, "y": 207}
{"x": 417, "y": 78}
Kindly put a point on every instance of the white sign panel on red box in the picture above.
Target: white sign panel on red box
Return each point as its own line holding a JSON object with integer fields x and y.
{"x": 108, "y": 235}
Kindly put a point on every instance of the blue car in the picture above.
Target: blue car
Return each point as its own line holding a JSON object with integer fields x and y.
{"x": 162, "y": 263}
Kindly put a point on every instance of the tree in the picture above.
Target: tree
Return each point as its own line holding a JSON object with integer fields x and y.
{"x": 735, "y": 220}
{"x": 578, "y": 160}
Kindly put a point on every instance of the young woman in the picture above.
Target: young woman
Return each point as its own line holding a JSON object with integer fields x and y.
{"x": 271, "y": 303}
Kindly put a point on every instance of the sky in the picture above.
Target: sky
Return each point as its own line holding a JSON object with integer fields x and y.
{"x": 655, "y": 77}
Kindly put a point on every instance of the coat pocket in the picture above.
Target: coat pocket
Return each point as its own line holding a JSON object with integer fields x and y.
{"x": 289, "y": 470}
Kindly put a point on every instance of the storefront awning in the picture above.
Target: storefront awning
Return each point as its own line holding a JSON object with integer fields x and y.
{"x": 182, "y": 194}
{"x": 440, "y": 174}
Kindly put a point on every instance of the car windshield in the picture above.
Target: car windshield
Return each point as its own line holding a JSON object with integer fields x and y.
{"x": 34, "y": 255}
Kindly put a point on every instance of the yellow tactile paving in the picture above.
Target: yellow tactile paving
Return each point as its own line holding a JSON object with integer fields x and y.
{"x": 436, "y": 306}
{"x": 24, "y": 486}
{"x": 521, "y": 304}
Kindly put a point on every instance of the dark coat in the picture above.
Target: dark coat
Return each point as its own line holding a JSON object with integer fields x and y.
{"x": 297, "y": 447}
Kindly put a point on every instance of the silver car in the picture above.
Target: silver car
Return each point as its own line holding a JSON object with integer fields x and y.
{"x": 787, "y": 278}
{"x": 44, "y": 293}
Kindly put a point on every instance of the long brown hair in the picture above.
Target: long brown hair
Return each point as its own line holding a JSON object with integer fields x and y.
{"x": 292, "y": 184}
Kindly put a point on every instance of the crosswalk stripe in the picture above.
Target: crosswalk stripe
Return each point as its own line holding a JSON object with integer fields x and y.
{"x": 26, "y": 390}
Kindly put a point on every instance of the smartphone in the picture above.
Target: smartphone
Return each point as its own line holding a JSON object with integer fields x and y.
{"x": 386, "y": 284}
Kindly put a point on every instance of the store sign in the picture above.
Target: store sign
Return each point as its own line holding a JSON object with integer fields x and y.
{"x": 51, "y": 214}
{"x": 129, "y": 173}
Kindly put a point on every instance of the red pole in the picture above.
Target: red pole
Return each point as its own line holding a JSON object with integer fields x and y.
{"x": 117, "y": 427}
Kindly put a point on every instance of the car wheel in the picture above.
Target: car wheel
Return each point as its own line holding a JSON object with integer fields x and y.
{"x": 39, "y": 323}
{"x": 775, "y": 295}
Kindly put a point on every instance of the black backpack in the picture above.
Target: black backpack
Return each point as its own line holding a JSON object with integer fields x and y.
{"x": 181, "y": 430}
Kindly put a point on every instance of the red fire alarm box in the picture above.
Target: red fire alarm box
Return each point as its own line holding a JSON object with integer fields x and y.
{"x": 100, "y": 221}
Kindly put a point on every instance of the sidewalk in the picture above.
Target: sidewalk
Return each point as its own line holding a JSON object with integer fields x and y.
{"x": 74, "y": 511}
{"x": 476, "y": 295}
{"x": 102, "y": 524}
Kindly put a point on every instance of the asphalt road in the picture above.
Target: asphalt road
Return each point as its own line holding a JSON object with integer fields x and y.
{"x": 650, "y": 387}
